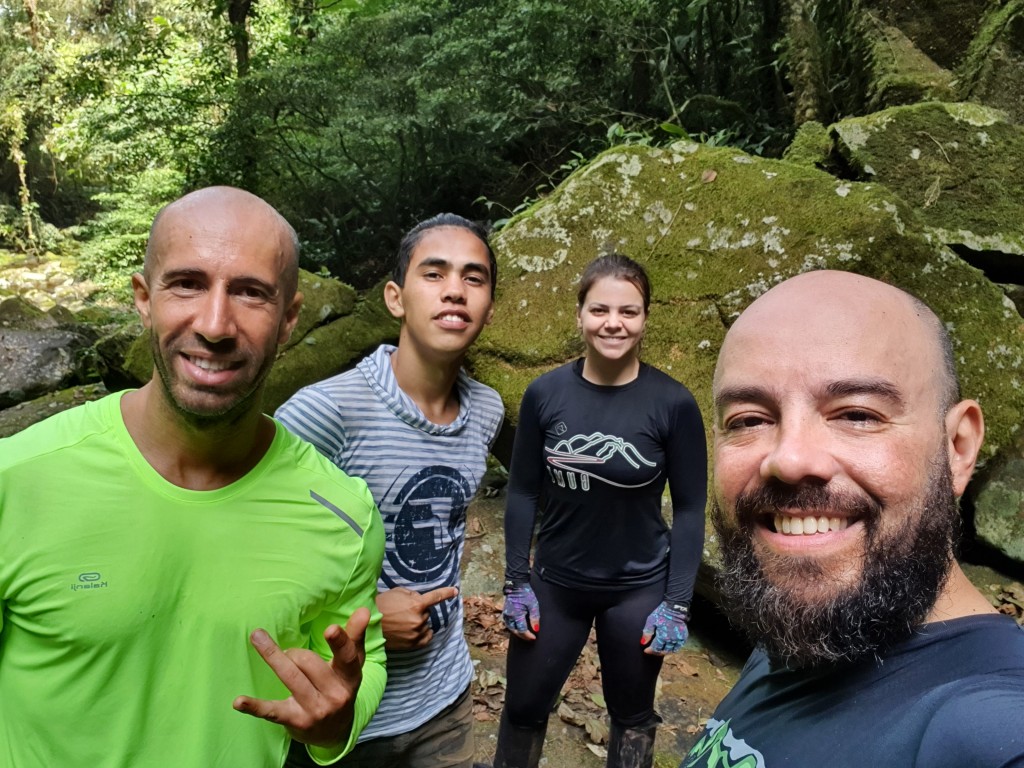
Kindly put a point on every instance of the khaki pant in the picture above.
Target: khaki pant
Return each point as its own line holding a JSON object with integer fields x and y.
{"x": 446, "y": 741}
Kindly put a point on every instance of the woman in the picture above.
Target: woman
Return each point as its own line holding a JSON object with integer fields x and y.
{"x": 597, "y": 440}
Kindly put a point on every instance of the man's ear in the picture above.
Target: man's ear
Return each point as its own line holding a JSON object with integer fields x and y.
{"x": 393, "y": 299}
{"x": 140, "y": 291}
{"x": 965, "y": 432}
{"x": 291, "y": 317}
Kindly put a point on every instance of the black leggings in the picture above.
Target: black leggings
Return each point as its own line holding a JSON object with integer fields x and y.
{"x": 536, "y": 670}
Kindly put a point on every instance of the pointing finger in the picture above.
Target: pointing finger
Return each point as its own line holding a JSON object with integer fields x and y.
{"x": 439, "y": 595}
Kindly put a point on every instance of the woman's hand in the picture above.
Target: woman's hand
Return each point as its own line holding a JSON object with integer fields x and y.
{"x": 522, "y": 611}
{"x": 667, "y": 626}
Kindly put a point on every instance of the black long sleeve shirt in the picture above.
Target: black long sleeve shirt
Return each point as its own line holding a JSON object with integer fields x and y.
{"x": 594, "y": 461}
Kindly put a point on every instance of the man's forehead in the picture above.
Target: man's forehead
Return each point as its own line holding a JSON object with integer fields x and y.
{"x": 829, "y": 325}
{"x": 451, "y": 247}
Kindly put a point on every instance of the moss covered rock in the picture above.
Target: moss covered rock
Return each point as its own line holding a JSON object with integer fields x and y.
{"x": 811, "y": 146}
{"x": 25, "y": 414}
{"x": 999, "y": 508}
{"x": 323, "y": 300}
{"x": 331, "y": 348}
{"x": 716, "y": 228}
{"x": 960, "y": 166}
{"x": 901, "y": 73}
{"x": 993, "y": 70}
{"x": 942, "y": 30}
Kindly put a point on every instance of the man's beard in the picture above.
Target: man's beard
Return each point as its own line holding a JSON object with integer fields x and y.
{"x": 903, "y": 572}
{"x": 228, "y": 413}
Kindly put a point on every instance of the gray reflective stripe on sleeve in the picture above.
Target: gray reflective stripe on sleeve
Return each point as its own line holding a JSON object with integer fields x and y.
{"x": 337, "y": 511}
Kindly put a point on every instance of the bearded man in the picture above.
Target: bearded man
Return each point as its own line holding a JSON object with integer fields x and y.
{"x": 841, "y": 449}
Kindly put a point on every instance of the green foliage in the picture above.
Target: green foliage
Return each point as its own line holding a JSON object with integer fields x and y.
{"x": 114, "y": 241}
{"x": 391, "y": 111}
{"x": 357, "y": 118}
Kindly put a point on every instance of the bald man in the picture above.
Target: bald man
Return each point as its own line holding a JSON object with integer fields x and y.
{"x": 159, "y": 547}
{"x": 841, "y": 449}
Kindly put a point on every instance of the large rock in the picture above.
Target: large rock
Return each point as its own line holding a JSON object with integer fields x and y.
{"x": 331, "y": 348}
{"x": 323, "y": 299}
{"x": 25, "y": 414}
{"x": 40, "y": 353}
{"x": 960, "y": 166}
{"x": 941, "y": 30}
{"x": 999, "y": 507}
{"x": 993, "y": 71}
{"x": 716, "y": 228}
{"x": 902, "y": 74}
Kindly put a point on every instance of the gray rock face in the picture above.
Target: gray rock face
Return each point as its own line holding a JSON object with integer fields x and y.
{"x": 37, "y": 355}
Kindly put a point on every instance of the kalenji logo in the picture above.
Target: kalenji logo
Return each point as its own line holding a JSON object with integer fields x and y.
{"x": 89, "y": 580}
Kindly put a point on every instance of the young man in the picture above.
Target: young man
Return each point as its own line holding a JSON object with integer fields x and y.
{"x": 841, "y": 449}
{"x": 144, "y": 536}
{"x": 410, "y": 422}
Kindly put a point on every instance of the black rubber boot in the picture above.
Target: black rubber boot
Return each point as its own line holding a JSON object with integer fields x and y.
{"x": 632, "y": 747}
{"x": 518, "y": 747}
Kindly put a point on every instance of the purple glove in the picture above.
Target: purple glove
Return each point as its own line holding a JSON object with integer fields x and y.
{"x": 522, "y": 611}
{"x": 667, "y": 625}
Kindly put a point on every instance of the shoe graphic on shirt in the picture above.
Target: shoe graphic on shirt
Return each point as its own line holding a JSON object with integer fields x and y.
{"x": 607, "y": 458}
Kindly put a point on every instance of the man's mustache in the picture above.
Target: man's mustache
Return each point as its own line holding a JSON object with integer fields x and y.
{"x": 775, "y": 497}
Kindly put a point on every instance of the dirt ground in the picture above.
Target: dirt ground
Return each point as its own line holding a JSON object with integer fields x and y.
{"x": 692, "y": 681}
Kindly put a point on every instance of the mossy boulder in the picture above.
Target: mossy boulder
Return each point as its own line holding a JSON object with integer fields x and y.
{"x": 331, "y": 348}
{"x": 942, "y": 30}
{"x": 25, "y": 414}
{"x": 999, "y": 507}
{"x": 811, "y": 146}
{"x": 716, "y": 228}
{"x": 901, "y": 73}
{"x": 993, "y": 70}
{"x": 960, "y": 166}
{"x": 323, "y": 300}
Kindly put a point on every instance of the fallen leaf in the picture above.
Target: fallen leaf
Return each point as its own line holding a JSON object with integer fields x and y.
{"x": 566, "y": 714}
{"x": 708, "y": 176}
{"x": 597, "y": 731}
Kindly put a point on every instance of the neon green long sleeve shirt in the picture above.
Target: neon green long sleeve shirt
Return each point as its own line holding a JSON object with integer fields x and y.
{"x": 126, "y": 602}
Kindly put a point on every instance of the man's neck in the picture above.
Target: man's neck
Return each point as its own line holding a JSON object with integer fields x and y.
{"x": 189, "y": 456}
{"x": 430, "y": 383}
{"x": 958, "y": 598}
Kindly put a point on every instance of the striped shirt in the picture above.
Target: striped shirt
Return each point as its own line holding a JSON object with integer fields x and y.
{"x": 422, "y": 476}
